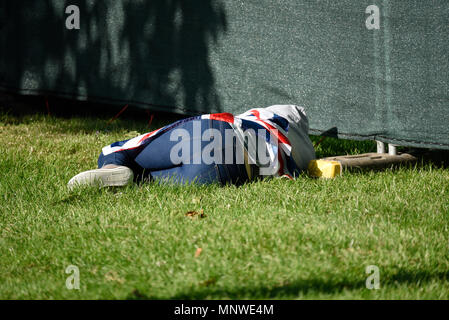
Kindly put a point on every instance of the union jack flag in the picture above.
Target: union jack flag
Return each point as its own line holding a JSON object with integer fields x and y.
{"x": 273, "y": 125}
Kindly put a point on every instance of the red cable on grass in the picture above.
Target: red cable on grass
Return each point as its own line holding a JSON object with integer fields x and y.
{"x": 118, "y": 114}
{"x": 151, "y": 115}
{"x": 318, "y": 143}
{"x": 47, "y": 105}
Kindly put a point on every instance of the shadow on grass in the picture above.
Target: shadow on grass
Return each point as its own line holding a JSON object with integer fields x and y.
{"x": 436, "y": 158}
{"x": 416, "y": 276}
{"x": 70, "y": 199}
{"x": 87, "y": 117}
{"x": 332, "y": 146}
{"x": 299, "y": 287}
{"x": 289, "y": 290}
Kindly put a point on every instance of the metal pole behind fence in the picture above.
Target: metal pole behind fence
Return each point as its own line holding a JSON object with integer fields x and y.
{"x": 380, "y": 147}
{"x": 392, "y": 149}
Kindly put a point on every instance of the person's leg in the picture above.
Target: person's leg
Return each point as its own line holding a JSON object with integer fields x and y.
{"x": 108, "y": 175}
{"x": 156, "y": 159}
{"x": 234, "y": 172}
{"x": 161, "y": 156}
{"x": 115, "y": 169}
{"x": 166, "y": 162}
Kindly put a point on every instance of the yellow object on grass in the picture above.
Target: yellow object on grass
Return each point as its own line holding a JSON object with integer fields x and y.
{"x": 325, "y": 168}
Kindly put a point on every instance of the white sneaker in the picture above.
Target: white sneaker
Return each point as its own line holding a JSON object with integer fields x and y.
{"x": 104, "y": 177}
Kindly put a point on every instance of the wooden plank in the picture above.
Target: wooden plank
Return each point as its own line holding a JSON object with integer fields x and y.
{"x": 371, "y": 160}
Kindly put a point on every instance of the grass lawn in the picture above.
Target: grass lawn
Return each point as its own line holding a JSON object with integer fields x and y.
{"x": 273, "y": 239}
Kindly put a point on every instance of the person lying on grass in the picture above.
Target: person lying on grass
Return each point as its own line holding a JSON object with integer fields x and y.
{"x": 213, "y": 148}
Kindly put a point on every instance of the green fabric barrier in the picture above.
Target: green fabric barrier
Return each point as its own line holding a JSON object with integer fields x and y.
{"x": 194, "y": 57}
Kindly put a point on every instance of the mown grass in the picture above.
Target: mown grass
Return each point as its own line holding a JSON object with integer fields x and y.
{"x": 306, "y": 239}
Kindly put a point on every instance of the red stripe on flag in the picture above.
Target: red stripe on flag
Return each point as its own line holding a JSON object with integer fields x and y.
{"x": 225, "y": 116}
{"x": 281, "y": 164}
{"x": 147, "y": 135}
{"x": 280, "y": 136}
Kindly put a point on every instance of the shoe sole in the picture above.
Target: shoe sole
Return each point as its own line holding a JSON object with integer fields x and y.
{"x": 116, "y": 177}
